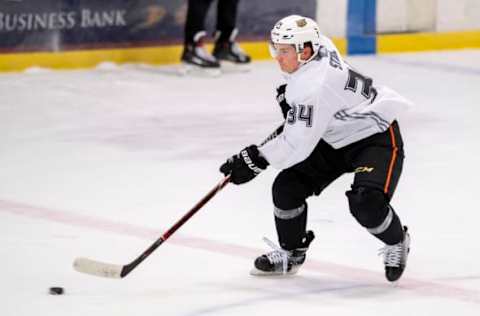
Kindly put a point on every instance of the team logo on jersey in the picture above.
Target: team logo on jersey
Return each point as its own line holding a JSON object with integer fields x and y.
{"x": 363, "y": 169}
{"x": 301, "y": 23}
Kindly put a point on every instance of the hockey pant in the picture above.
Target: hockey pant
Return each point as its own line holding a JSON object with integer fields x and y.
{"x": 376, "y": 162}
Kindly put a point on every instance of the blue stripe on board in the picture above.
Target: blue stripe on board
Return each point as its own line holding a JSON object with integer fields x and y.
{"x": 361, "y": 27}
{"x": 370, "y": 17}
{"x": 355, "y": 17}
{"x": 360, "y": 45}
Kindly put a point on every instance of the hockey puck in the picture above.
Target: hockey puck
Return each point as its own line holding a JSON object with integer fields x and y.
{"x": 56, "y": 290}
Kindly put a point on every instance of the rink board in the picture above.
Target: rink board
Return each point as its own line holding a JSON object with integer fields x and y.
{"x": 259, "y": 51}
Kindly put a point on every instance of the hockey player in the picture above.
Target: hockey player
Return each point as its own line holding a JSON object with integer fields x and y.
{"x": 225, "y": 49}
{"x": 336, "y": 122}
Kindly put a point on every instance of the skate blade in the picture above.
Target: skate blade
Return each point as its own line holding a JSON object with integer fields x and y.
{"x": 260, "y": 273}
{"x": 230, "y": 67}
{"x": 191, "y": 70}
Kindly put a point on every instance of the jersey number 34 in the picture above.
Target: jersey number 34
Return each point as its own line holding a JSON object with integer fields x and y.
{"x": 301, "y": 113}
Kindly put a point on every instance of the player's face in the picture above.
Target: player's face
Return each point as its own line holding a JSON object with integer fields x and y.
{"x": 286, "y": 57}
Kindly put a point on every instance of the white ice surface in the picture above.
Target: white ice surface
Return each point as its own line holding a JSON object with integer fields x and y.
{"x": 98, "y": 163}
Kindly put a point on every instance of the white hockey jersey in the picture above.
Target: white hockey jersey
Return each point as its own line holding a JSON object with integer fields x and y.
{"x": 331, "y": 101}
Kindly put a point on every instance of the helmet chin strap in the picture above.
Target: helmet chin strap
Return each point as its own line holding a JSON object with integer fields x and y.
{"x": 300, "y": 49}
{"x": 302, "y": 61}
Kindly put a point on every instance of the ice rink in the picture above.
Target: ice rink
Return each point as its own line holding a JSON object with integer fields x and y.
{"x": 98, "y": 163}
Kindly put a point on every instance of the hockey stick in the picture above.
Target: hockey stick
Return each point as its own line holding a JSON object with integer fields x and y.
{"x": 116, "y": 271}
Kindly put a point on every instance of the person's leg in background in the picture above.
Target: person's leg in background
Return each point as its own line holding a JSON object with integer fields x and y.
{"x": 194, "y": 52}
{"x": 226, "y": 48}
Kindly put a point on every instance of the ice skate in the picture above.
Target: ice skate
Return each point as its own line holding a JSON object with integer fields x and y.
{"x": 230, "y": 54}
{"x": 395, "y": 257}
{"x": 281, "y": 261}
{"x": 196, "y": 60}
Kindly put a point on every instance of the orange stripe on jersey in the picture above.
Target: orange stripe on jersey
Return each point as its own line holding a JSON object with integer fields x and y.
{"x": 392, "y": 160}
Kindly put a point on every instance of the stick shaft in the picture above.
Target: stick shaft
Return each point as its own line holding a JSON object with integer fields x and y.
{"x": 132, "y": 265}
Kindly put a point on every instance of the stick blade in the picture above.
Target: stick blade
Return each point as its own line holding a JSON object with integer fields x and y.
{"x": 97, "y": 268}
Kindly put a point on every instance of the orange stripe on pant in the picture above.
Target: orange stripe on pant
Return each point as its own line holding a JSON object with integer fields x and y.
{"x": 392, "y": 160}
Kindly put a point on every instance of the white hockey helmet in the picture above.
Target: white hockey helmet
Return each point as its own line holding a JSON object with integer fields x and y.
{"x": 296, "y": 30}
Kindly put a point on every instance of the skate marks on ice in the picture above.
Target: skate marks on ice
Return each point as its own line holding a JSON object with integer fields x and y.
{"x": 334, "y": 278}
{"x": 186, "y": 70}
{"x": 315, "y": 292}
{"x": 226, "y": 68}
{"x": 458, "y": 278}
{"x": 310, "y": 291}
{"x": 229, "y": 67}
{"x": 430, "y": 65}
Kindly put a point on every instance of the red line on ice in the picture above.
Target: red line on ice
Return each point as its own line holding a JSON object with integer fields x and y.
{"x": 426, "y": 288}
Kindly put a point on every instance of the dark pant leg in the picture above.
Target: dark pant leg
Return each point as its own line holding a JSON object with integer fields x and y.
{"x": 290, "y": 191}
{"x": 226, "y": 18}
{"x": 294, "y": 185}
{"x": 196, "y": 13}
{"x": 377, "y": 162}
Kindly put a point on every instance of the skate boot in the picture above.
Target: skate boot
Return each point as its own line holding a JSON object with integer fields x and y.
{"x": 395, "y": 257}
{"x": 281, "y": 261}
{"x": 229, "y": 53}
{"x": 195, "y": 57}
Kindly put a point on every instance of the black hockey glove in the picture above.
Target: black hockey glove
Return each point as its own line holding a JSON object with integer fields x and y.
{"x": 244, "y": 166}
{"x": 282, "y": 101}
